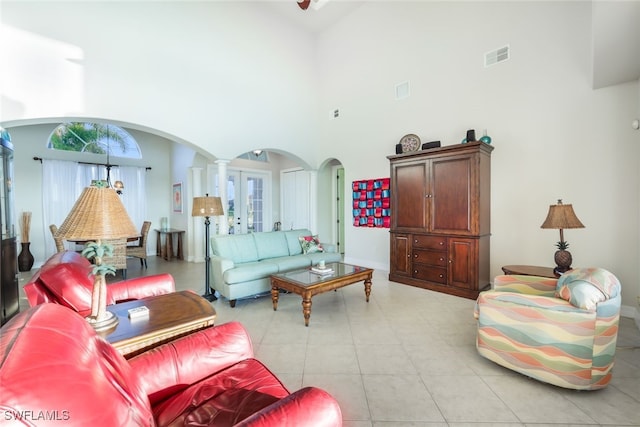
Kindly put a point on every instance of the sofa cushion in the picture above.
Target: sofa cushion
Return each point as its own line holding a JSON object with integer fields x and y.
{"x": 287, "y": 263}
{"x": 271, "y": 244}
{"x": 323, "y": 256}
{"x": 238, "y": 247}
{"x": 586, "y": 287}
{"x": 225, "y": 398}
{"x": 249, "y": 271}
{"x": 293, "y": 242}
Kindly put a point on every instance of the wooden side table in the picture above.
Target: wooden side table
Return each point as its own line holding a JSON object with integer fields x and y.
{"x": 530, "y": 270}
{"x": 165, "y": 250}
{"x": 170, "y": 316}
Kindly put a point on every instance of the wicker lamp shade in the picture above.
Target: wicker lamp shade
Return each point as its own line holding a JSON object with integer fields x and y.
{"x": 561, "y": 216}
{"x": 207, "y": 206}
{"x": 97, "y": 214}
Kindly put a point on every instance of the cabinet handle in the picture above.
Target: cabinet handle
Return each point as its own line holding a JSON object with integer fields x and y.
{"x": 441, "y": 276}
{"x": 415, "y": 256}
{"x": 450, "y": 261}
{"x": 415, "y": 271}
{"x": 415, "y": 241}
{"x": 441, "y": 243}
{"x": 408, "y": 255}
{"x": 441, "y": 259}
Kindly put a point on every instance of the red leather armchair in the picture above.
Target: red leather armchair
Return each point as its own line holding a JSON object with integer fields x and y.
{"x": 66, "y": 279}
{"x": 54, "y": 367}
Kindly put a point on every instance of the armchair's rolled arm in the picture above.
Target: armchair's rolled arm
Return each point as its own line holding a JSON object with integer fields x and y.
{"x": 530, "y": 285}
{"x": 218, "y": 266}
{"x": 308, "y": 406}
{"x": 187, "y": 360}
{"x": 141, "y": 287}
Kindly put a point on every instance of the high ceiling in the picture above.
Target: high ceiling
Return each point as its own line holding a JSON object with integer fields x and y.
{"x": 319, "y": 16}
{"x": 615, "y": 26}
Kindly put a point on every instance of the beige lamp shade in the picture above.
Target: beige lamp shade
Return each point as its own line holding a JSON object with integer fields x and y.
{"x": 207, "y": 206}
{"x": 561, "y": 216}
{"x": 97, "y": 214}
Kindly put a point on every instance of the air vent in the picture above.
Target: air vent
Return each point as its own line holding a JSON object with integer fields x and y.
{"x": 496, "y": 56}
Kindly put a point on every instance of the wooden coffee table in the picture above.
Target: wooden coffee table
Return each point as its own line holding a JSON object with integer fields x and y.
{"x": 170, "y": 316}
{"x": 307, "y": 284}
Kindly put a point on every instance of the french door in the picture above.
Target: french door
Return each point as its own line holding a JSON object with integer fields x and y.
{"x": 249, "y": 201}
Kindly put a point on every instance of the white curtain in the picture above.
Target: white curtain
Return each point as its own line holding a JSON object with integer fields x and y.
{"x": 63, "y": 181}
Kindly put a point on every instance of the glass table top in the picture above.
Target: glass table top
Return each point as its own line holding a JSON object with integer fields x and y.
{"x": 308, "y": 277}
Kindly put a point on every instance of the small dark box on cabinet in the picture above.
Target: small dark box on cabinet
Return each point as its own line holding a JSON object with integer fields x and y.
{"x": 432, "y": 144}
{"x": 398, "y": 148}
{"x": 471, "y": 135}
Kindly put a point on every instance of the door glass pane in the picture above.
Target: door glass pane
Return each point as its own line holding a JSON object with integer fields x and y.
{"x": 231, "y": 181}
{"x": 255, "y": 204}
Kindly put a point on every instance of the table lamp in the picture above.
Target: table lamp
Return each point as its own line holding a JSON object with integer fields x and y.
{"x": 562, "y": 216}
{"x": 98, "y": 214}
{"x": 207, "y": 207}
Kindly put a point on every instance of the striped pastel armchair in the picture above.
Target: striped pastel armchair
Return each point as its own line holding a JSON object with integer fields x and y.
{"x": 560, "y": 331}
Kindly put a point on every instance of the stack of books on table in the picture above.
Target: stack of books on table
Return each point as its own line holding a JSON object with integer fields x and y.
{"x": 321, "y": 270}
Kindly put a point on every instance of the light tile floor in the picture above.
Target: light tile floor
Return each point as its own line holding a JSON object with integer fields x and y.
{"x": 408, "y": 358}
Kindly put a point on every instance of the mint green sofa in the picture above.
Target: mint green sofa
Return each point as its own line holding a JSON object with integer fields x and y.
{"x": 241, "y": 264}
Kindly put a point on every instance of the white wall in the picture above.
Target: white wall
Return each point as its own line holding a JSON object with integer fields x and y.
{"x": 554, "y": 136}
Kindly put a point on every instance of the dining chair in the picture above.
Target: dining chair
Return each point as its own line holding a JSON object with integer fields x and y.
{"x": 140, "y": 250}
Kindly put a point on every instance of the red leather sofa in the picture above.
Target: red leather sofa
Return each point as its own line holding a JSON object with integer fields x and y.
{"x": 55, "y": 370}
{"x": 66, "y": 279}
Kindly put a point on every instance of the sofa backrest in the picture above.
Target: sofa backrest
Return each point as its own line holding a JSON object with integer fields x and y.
{"x": 271, "y": 244}
{"x": 252, "y": 247}
{"x": 53, "y": 363}
{"x": 237, "y": 247}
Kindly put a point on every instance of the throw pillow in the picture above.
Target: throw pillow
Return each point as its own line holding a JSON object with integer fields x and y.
{"x": 310, "y": 244}
{"x": 586, "y": 287}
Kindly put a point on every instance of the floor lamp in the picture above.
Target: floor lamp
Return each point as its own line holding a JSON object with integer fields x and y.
{"x": 207, "y": 207}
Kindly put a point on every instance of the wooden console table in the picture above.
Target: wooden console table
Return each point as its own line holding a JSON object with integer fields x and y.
{"x": 165, "y": 250}
{"x": 530, "y": 270}
{"x": 170, "y": 316}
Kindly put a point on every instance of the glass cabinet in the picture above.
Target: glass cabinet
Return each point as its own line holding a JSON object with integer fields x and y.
{"x": 9, "y": 305}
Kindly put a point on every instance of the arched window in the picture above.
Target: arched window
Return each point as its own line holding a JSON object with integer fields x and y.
{"x": 97, "y": 138}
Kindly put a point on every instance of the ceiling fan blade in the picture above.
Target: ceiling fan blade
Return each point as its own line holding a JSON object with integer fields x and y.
{"x": 304, "y": 4}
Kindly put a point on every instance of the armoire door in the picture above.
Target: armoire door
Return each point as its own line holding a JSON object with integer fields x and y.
{"x": 409, "y": 198}
{"x": 451, "y": 195}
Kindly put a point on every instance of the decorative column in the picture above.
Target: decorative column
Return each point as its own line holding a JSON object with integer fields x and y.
{"x": 222, "y": 193}
{"x": 197, "y": 226}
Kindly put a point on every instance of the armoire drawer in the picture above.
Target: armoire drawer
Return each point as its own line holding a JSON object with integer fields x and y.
{"x": 424, "y": 256}
{"x": 432, "y": 274}
{"x": 430, "y": 242}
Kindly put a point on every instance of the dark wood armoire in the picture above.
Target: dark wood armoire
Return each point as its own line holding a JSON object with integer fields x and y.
{"x": 440, "y": 218}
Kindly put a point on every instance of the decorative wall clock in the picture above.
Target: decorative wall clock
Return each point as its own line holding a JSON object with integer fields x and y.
{"x": 410, "y": 142}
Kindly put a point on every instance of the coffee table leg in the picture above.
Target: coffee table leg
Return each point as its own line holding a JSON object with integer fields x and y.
{"x": 306, "y": 309}
{"x": 367, "y": 288}
{"x": 274, "y": 297}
